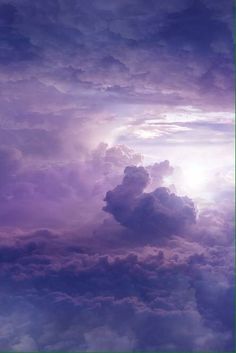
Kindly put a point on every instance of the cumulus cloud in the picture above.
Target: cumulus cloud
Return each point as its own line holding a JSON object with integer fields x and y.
{"x": 44, "y": 190}
{"x": 158, "y": 172}
{"x": 159, "y": 212}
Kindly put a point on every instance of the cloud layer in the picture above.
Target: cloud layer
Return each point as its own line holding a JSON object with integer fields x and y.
{"x": 104, "y": 105}
{"x": 68, "y": 296}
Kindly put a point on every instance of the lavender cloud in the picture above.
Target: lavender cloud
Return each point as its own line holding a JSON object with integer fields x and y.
{"x": 75, "y": 188}
{"x": 59, "y": 88}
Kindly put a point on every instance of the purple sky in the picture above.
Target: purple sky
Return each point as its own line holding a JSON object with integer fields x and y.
{"x": 116, "y": 176}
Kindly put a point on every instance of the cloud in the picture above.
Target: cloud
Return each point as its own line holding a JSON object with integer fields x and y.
{"x": 158, "y": 172}
{"x": 103, "y": 339}
{"x": 38, "y": 194}
{"x": 83, "y": 82}
{"x": 26, "y": 344}
{"x": 10, "y": 161}
{"x": 65, "y": 296}
{"x": 160, "y": 212}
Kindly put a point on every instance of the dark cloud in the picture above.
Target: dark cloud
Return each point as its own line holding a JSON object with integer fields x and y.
{"x": 137, "y": 43}
{"x": 62, "y": 292}
{"x": 185, "y": 29}
{"x": 7, "y": 14}
{"x": 160, "y": 212}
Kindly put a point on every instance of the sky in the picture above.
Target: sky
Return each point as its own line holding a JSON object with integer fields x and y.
{"x": 116, "y": 176}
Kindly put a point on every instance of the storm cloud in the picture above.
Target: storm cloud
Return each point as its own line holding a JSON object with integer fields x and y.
{"x": 160, "y": 212}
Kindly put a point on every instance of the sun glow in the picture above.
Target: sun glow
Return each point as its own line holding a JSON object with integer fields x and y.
{"x": 191, "y": 179}
{"x": 195, "y": 178}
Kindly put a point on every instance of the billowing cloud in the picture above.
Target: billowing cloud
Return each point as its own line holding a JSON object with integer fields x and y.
{"x": 160, "y": 212}
{"x": 45, "y": 191}
{"x": 63, "y": 291}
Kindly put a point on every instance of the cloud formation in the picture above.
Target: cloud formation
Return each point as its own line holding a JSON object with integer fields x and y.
{"x": 159, "y": 212}
{"x": 68, "y": 296}
{"x": 74, "y": 188}
{"x": 107, "y": 99}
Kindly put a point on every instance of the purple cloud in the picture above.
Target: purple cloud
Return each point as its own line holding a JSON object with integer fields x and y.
{"x": 111, "y": 99}
{"x": 134, "y": 295}
{"x": 159, "y": 212}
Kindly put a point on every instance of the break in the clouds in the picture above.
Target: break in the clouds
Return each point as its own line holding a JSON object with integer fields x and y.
{"x": 116, "y": 176}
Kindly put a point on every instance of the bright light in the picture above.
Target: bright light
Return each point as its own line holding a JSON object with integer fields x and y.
{"x": 191, "y": 180}
{"x": 195, "y": 177}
